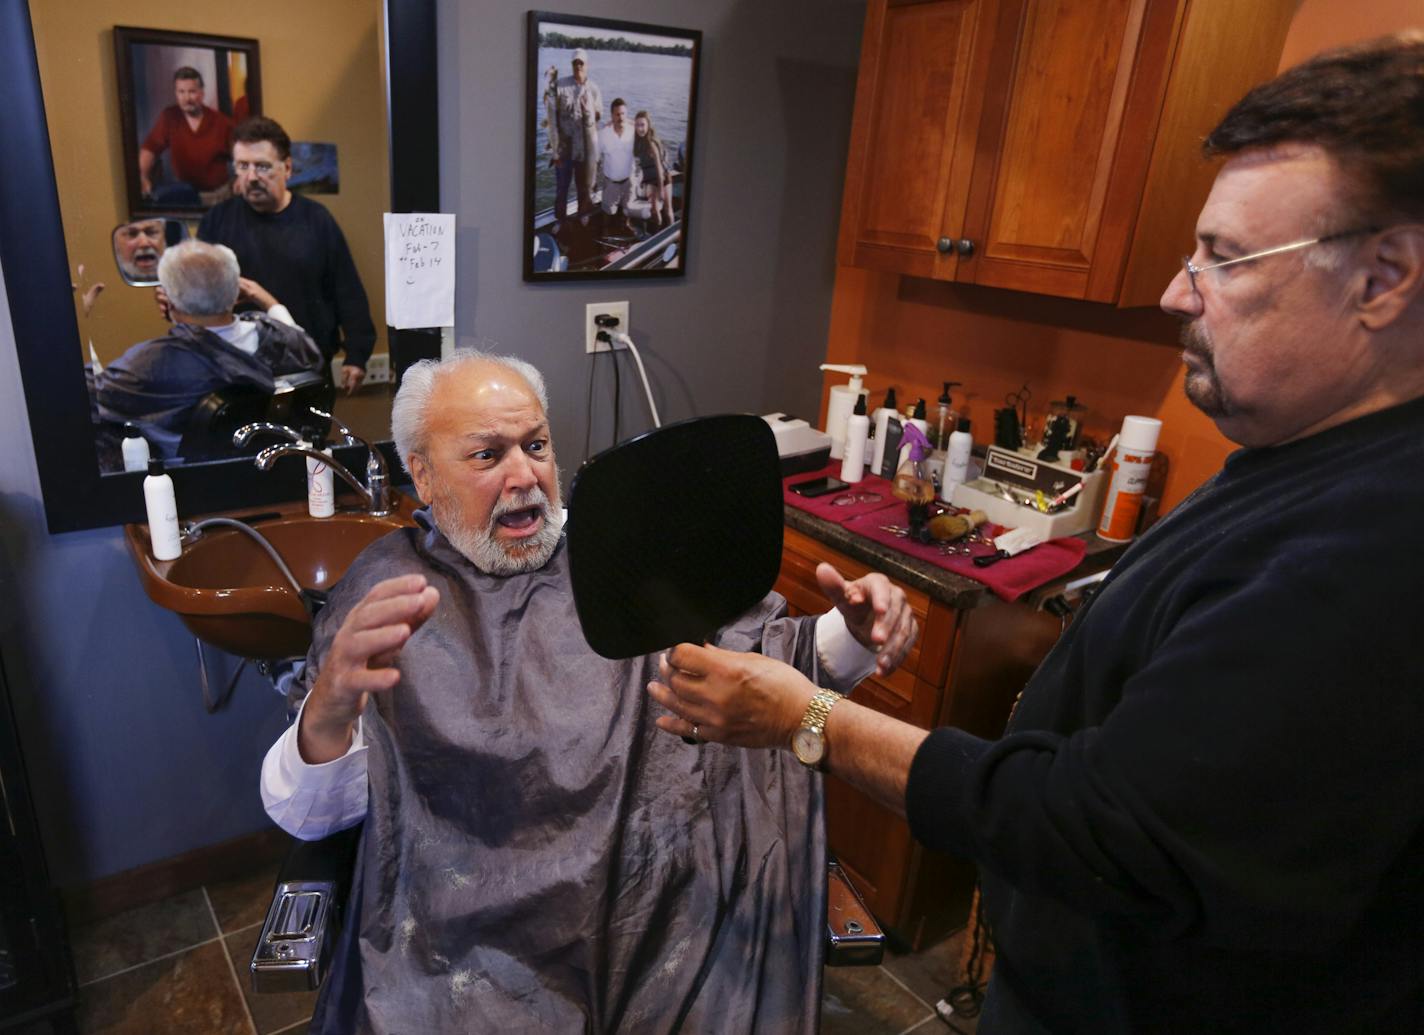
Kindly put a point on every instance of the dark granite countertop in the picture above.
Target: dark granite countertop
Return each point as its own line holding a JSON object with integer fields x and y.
{"x": 936, "y": 582}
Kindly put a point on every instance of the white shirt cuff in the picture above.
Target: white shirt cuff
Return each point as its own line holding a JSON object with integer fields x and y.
{"x": 844, "y": 662}
{"x": 281, "y": 312}
{"x": 311, "y": 801}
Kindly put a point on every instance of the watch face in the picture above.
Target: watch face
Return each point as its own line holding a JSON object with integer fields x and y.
{"x": 808, "y": 745}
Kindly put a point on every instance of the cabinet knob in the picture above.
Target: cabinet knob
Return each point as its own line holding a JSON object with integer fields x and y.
{"x": 965, "y": 246}
{"x": 945, "y": 245}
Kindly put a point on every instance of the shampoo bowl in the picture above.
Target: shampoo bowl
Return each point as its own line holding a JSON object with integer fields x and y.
{"x": 228, "y": 592}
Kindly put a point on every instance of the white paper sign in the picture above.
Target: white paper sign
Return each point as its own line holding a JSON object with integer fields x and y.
{"x": 420, "y": 270}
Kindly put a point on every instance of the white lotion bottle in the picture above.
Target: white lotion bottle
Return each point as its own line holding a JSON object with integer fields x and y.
{"x": 881, "y": 419}
{"x": 135, "y": 450}
{"x": 842, "y": 403}
{"x": 956, "y": 460}
{"x": 162, "y": 509}
{"x": 857, "y": 436}
{"x": 321, "y": 485}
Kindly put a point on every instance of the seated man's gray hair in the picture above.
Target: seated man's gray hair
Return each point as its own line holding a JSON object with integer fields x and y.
{"x": 418, "y": 384}
{"x": 200, "y": 279}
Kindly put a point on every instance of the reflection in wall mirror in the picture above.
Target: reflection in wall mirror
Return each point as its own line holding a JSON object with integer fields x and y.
{"x": 63, "y": 112}
{"x": 140, "y": 244}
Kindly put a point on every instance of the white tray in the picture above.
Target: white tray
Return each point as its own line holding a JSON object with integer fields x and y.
{"x": 1081, "y": 515}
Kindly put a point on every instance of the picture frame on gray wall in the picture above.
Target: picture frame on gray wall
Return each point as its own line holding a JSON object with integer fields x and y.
{"x": 169, "y": 83}
{"x": 609, "y": 148}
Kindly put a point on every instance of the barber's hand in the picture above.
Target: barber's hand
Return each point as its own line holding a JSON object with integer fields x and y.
{"x": 351, "y": 377}
{"x": 748, "y": 700}
{"x": 250, "y": 291}
{"x": 361, "y": 661}
{"x": 875, "y": 611}
{"x": 165, "y": 307}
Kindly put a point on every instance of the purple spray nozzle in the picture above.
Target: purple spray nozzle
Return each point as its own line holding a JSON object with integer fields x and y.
{"x": 919, "y": 444}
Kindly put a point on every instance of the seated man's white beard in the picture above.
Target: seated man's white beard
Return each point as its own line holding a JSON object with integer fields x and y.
{"x": 479, "y": 545}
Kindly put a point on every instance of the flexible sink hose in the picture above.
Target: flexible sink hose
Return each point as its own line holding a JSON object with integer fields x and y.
{"x": 189, "y": 532}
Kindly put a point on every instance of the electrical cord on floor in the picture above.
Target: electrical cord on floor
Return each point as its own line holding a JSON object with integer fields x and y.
{"x": 966, "y": 999}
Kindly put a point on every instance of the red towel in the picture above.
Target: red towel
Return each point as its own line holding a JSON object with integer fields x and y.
{"x": 1009, "y": 579}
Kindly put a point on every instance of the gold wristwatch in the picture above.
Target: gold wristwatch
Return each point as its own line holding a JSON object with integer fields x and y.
{"x": 808, "y": 743}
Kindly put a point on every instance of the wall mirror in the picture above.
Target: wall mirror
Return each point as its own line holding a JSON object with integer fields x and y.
{"x": 64, "y": 203}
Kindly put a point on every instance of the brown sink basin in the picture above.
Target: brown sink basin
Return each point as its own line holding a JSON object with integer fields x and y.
{"x": 228, "y": 592}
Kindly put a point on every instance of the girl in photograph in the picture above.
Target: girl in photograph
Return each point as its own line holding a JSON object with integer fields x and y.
{"x": 649, "y": 154}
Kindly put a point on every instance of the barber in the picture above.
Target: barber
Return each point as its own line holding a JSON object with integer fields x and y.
{"x": 1207, "y": 812}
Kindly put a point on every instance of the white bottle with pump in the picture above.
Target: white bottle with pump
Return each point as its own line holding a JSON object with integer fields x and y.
{"x": 135, "y": 450}
{"x": 1132, "y": 463}
{"x": 881, "y": 420}
{"x": 842, "y": 404}
{"x": 857, "y": 436}
{"x": 956, "y": 462}
{"x": 321, "y": 486}
{"x": 162, "y": 508}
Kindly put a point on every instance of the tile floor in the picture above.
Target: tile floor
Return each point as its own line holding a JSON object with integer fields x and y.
{"x": 179, "y": 966}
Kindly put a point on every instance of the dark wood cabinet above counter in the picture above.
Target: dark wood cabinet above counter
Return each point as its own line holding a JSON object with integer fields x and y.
{"x": 1049, "y": 146}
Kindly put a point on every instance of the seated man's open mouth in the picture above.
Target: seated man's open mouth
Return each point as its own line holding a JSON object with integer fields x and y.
{"x": 525, "y": 521}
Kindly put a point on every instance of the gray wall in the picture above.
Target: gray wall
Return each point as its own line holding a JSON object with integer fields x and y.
{"x": 746, "y": 328}
{"x": 125, "y": 765}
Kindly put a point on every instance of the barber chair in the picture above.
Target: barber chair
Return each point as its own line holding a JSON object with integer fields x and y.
{"x": 218, "y": 414}
{"x": 708, "y": 522}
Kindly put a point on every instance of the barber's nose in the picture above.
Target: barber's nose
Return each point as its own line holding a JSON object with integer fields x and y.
{"x": 1181, "y": 298}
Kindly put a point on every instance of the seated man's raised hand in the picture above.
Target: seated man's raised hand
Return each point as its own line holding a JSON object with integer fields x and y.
{"x": 362, "y": 661}
{"x": 876, "y": 612}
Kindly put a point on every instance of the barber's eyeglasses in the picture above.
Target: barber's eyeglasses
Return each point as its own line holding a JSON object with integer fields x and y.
{"x": 1193, "y": 270}
{"x": 263, "y": 169}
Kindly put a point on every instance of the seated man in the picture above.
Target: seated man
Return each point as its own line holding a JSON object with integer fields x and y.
{"x": 535, "y": 855}
{"x": 156, "y": 384}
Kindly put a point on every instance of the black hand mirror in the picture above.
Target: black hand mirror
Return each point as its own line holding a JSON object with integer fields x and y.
{"x": 674, "y": 533}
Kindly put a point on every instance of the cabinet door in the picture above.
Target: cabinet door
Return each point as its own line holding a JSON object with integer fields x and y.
{"x": 1065, "y": 144}
{"x": 919, "y": 93}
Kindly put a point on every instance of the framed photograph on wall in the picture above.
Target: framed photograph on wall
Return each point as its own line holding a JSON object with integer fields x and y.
{"x": 180, "y": 95}
{"x": 608, "y": 155}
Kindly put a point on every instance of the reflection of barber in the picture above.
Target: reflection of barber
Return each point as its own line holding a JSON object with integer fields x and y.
{"x": 293, "y": 246}
{"x": 197, "y": 139}
{"x": 157, "y": 384}
{"x": 137, "y": 247}
{"x": 578, "y": 106}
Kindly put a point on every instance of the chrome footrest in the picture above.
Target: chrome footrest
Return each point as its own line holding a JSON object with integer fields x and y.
{"x": 294, "y": 951}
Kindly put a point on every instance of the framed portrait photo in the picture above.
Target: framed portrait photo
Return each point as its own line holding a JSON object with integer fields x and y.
{"x": 609, "y": 155}
{"x": 180, "y": 96}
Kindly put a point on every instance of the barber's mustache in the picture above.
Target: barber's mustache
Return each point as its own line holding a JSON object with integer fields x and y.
{"x": 1195, "y": 341}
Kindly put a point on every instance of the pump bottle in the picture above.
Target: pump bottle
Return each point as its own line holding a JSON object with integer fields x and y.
{"x": 956, "y": 463}
{"x": 842, "y": 404}
{"x": 162, "y": 510}
{"x": 321, "y": 486}
{"x": 948, "y": 419}
{"x": 134, "y": 449}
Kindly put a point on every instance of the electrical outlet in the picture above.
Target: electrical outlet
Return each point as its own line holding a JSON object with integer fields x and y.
{"x": 378, "y": 369}
{"x": 591, "y": 329}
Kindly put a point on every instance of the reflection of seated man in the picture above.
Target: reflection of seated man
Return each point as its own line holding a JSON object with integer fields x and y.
{"x": 535, "y": 854}
{"x": 156, "y": 384}
{"x": 198, "y": 139}
{"x": 615, "y": 150}
{"x": 137, "y": 247}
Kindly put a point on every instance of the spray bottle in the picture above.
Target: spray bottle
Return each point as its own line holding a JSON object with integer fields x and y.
{"x": 1136, "y": 445}
{"x": 842, "y": 404}
{"x": 913, "y": 484}
{"x": 880, "y": 425}
{"x": 948, "y": 418}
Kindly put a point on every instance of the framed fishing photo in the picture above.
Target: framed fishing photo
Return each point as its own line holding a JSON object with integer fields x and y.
{"x": 180, "y": 96}
{"x": 608, "y": 153}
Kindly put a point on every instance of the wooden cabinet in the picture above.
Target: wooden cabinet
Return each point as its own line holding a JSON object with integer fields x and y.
{"x": 1044, "y": 145}
{"x": 965, "y": 671}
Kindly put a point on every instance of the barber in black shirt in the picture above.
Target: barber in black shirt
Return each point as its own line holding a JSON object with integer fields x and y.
{"x": 293, "y": 247}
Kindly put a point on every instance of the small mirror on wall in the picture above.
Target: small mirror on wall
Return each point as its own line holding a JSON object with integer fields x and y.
{"x": 140, "y": 244}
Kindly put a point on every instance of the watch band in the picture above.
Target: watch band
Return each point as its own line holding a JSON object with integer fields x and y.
{"x": 819, "y": 709}
{"x": 813, "y": 725}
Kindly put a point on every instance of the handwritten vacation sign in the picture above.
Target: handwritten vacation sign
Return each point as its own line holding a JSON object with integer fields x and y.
{"x": 420, "y": 270}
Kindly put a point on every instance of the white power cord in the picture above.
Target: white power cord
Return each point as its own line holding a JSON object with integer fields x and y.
{"x": 619, "y": 338}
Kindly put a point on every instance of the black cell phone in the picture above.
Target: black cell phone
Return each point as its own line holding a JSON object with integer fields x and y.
{"x": 819, "y": 486}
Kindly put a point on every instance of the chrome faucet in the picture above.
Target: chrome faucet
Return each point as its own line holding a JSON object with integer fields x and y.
{"x": 378, "y": 478}
{"x": 375, "y": 494}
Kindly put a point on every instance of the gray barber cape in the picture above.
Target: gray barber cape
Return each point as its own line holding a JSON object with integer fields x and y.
{"x": 538, "y": 856}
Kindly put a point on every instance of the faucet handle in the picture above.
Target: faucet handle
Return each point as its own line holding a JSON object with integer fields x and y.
{"x": 352, "y": 439}
{"x": 242, "y": 435}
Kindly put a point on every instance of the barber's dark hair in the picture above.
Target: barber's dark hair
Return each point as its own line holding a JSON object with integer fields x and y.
{"x": 1363, "y": 104}
{"x": 617, "y": 101}
{"x": 260, "y": 128}
{"x": 188, "y": 72}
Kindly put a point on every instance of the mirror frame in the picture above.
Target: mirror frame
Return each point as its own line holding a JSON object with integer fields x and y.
{"x": 38, "y": 283}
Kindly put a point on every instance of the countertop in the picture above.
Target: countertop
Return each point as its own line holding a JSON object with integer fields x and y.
{"x": 945, "y": 586}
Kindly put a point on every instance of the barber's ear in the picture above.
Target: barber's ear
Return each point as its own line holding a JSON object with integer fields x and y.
{"x": 1394, "y": 275}
{"x": 420, "y": 474}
